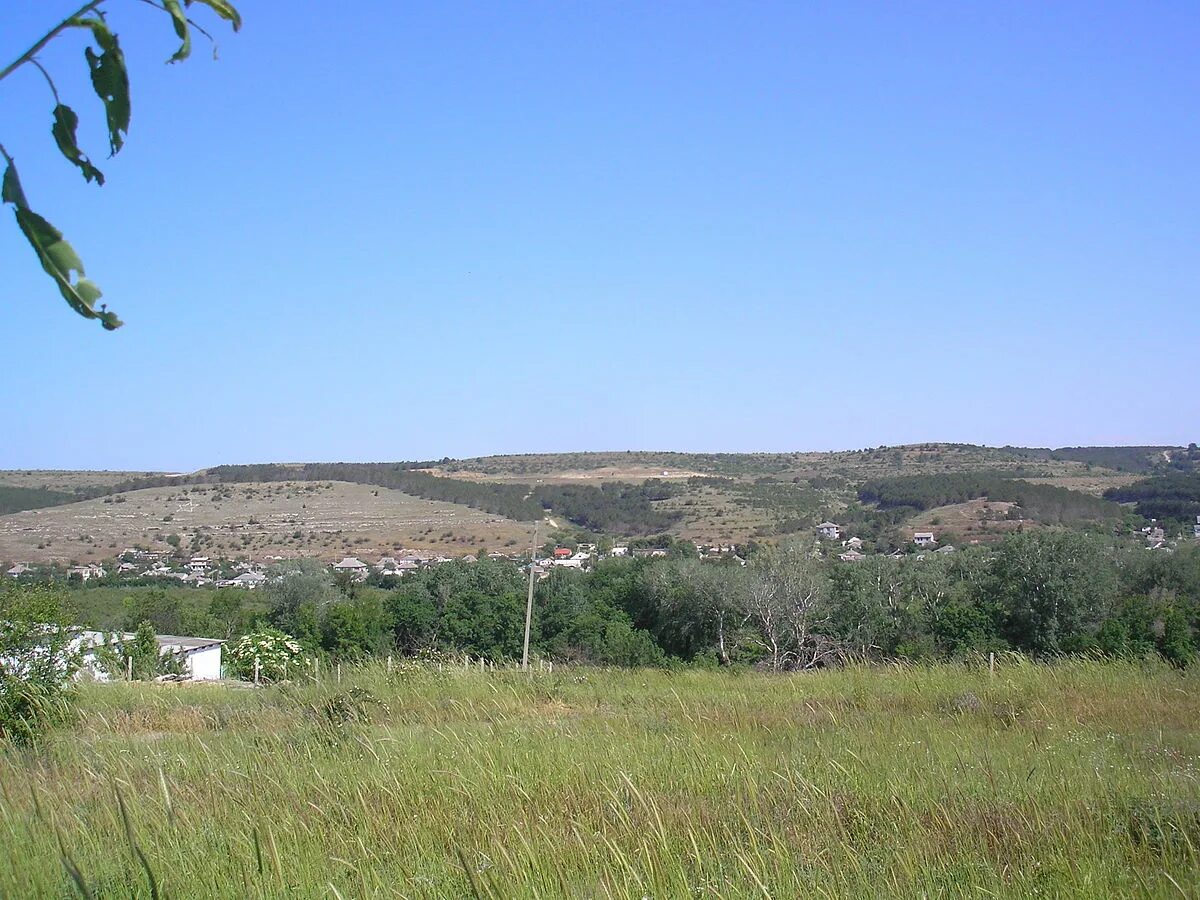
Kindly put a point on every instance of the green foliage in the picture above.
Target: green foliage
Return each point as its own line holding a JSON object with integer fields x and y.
{"x": 15, "y": 499}
{"x": 1054, "y": 589}
{"x": 37, "y": 660}
{"x": 1175, "y": 496}
{"x": 1041, "y": 502}
{"x": 277, "y": 653}
{"x": 110, "y": 82}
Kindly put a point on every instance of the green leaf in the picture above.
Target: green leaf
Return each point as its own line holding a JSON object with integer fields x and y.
{"x": 109, "y": 78}
{"x": 57, "y": 257}
{"x": 65, "y": 123}
{"x": 179, "y": 20}
{"x": 221, "y": 8}
{"x": 10, "y": 188}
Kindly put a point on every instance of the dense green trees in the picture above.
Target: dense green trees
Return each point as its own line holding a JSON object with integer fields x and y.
{"x": 1045, "y": 503}
{"x": 1173, "y": 497}
{"x": 1042, "y": 592}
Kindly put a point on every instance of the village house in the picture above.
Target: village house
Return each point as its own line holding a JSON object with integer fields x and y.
{"x": 198, "y": 565}
{"x": 851, "y": 555}
{"x": 853, "y": 543}
{"x": 924, "y": 538}
{"x": 644, "y": 552}
{"x": 352, "y": 566}
{"x": 1196, "y": 529}
{"x": 829, "y": 530}
{"x": 88, "y": 572}
{"x": 19, "y": 570}
{"x": 247, "y": 580}
{"x": 562, "y": 552}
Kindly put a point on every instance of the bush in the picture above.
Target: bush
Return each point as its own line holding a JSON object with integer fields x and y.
{"x": 274, "y": 651}
{"x": 38, "y": 656}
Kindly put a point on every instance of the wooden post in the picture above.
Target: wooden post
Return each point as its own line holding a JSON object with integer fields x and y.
{"x": 481, "y": 664}
{"x": 339, "y": 673}
{"x": 129, "y": 669}
{"x": 256, "y": 670}
{"x": 285, "y": 670}
{"x": 317, "y": 669}
{"x": 992, "y": 664}
{"x": 529, "y": 599}
{"x": 389, "y": 664}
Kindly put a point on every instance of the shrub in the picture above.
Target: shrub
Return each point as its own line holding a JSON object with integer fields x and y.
{"x": 273, "y": 650}
{"x": 38, "y": 656}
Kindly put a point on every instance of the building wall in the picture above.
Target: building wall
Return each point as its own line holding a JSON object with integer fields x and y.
{"x": 205, "y": 665}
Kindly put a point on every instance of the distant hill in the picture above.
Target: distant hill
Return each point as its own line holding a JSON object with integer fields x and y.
{"x": 709, "y": 498}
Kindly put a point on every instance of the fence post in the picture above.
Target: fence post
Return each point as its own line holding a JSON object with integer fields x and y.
{"x": 339, "y": 672}
{"x": 256, "y": 670}
{"x": 992, "y": 664}
{"x": 389, "y": 664}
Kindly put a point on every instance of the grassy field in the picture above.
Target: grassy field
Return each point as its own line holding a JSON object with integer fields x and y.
{"x": 1079, "y": 779}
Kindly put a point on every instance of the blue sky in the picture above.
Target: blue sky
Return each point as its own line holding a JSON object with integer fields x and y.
{"x": 402, "y": 231}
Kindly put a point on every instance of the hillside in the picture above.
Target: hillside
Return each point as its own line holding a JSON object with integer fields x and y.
{"x": 325, "y": 519}
{"x": 462, "y": 505}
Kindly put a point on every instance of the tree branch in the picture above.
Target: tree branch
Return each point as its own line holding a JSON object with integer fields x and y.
{"x": 50, "y": 35}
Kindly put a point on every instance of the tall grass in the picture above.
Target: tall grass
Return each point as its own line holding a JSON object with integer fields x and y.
{"x": 1075, "y": 779}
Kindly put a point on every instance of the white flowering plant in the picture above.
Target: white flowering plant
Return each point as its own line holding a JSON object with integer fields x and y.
{"x": 275, "y": 651}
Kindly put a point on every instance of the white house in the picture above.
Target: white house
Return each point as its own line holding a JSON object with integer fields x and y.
{"x": 247, "y": 580}
{"x": 198, "y": 565}
{"x": 201, "y": 656}
{"x": 18, "y": 570}
{"x": 86, "y": 573}
{"x": 352, "y": 566}
{"x": 1196, "y": 528}
{"x": 829, "y": 530}
{"x": 851, "y": 555}
{"x": 924, "y": 538}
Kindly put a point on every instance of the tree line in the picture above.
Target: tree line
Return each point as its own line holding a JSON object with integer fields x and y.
{"x": 1044, "y": 503}
{"x": 1042, "y": 593}
{"x": 1174, "y": 496}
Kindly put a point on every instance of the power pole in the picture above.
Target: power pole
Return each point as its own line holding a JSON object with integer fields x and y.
{"x": 529, "y": 599}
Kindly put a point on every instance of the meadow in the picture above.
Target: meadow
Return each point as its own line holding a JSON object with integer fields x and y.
{"x": 1078, "y": 778}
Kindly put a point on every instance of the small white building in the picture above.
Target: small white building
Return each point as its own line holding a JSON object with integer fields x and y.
{"x": 201, "y": 656}
{"x": 86, "y": 573}
{"x": 829, "y": 530}
{"x": 851, "y": 555}
{"x": 924, "y": 538}
{"x": 1196, "y": 528}
{"x": 19, "y": 570}
{"x": 198, "y": 565}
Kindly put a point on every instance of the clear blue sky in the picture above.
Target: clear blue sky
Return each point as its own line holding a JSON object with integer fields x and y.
{"x": 398, "y": 231}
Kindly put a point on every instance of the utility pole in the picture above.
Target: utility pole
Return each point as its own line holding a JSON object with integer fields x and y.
{"x": 529, "y": 599}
